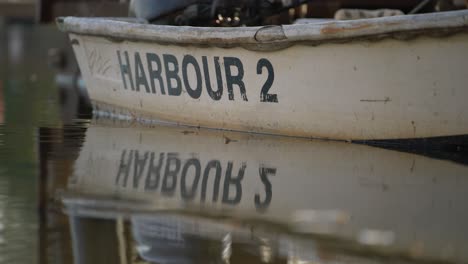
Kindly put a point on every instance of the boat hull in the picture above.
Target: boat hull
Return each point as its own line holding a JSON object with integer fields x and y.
{"x": 361, "y": 89}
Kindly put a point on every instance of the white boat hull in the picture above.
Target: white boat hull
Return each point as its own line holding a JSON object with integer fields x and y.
{"x": 384, "y": 88}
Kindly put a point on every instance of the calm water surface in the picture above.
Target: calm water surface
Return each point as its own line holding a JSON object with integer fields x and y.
{"x": 107, "y": 191}
{"x": 26, "y": 103}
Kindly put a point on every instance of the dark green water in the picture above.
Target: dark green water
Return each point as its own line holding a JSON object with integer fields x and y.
{"x": 29, "y": 101}
{"x": 91, "y": 191}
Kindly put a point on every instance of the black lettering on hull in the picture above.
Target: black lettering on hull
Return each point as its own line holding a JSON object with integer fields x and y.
{"x": 193, "y": 92}
{"x": 232, "y": 80}
{"x": 125, "y": 70}
{"x": 193, "y": 77}
{"x": 155, "y": 73}
{"x": 174, "y": 86}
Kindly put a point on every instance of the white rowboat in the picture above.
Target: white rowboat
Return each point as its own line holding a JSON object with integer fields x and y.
{"x": 384, "y": 78}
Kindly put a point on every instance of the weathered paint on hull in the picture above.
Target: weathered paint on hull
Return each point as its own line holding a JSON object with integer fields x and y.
{"x": 361, "y": 89}
{"x": 421, "y": 201}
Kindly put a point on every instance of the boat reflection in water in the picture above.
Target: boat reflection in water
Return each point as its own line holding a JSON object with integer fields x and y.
{"x": 185, "y": 195}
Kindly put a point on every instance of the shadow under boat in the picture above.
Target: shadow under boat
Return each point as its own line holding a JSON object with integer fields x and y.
{"x": 453, "y": 148}
{"x": 391, "y": 203}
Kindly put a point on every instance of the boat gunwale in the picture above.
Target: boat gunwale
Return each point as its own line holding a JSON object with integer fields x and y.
{"x": 272, "y": 37}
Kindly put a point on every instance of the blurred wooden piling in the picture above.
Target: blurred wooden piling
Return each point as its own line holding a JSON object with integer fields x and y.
{"x": 20, "y": 9}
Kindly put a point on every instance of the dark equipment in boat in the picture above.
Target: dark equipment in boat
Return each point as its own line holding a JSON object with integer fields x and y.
{"x": 164, "y": 11}
{"x": 233, "y": 13}
{"x": 225, "y": 13}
